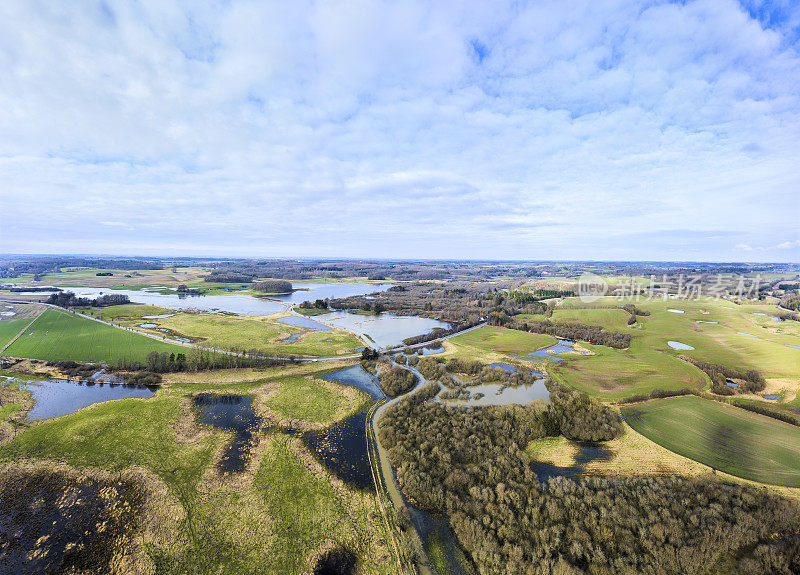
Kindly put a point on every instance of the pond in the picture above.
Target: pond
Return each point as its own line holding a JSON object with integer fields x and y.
{"x": 679, "y": 345}
{"x": 563, "y": 346}
{"x": 312, "y": 291}
{"x": 772, "y": 396}
{"x": 298, "y": 321}
{"x": 747, "y": 334}
{"x": 793, "y": 346}
{"x": 701, "y": 321}
{"x": 359, "y": 378}
{"x": 168, "y": 332}
{"x": 56, "y": 397}
{"x": 384, "y": 330}
{"x": 342, "y": 449}
{"x": 232, "y": 413}
{"x": 236, "y": 304}
{"x": 730, "y": 383}
{"x": 671, "y": 310}
{"x": 498, "y": 394}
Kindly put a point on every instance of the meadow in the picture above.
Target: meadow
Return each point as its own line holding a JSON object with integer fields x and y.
{"x": 710, "y": 326}
{"x": 62, "y": 336}
{"x": 274, "y": 517}
{"x": 724, "y": 437}
{"x": 270, "y": 336}
{"x": 501, "y": 340}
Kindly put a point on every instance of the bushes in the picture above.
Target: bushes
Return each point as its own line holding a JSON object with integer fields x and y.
{"x": 581, "y": 417}
{"x": 396, "y": 381}
{"x": 768, "y": 410}
{"x": 274, "y": 286}
{"x": 430, "y": 368}
{"x": 577, "y": 331}
{"x": 656, "y": 393}
{"x": 750, "y": 381}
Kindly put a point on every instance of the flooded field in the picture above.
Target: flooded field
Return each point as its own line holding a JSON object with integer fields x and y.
{"x": 232, "y": 413}
{"x": 56, "y": 397}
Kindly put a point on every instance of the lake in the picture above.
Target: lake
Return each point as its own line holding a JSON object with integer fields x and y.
{"x": 384, "y": 330}
{"x": 56, "y": 397}
{"x": 237, "y": 304}
{"x": 359, "y": 378}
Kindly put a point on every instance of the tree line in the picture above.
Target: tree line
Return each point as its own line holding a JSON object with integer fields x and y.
{"x": 575, "y": 331}
{"x": 68, "y": 299}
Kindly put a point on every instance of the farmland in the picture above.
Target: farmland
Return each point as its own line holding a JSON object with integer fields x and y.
{"x": 61, "y": 336}
{"x": 724, "y": 437}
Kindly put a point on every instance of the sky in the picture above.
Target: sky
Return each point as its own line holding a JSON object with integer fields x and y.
{"x": 604, "y": 130}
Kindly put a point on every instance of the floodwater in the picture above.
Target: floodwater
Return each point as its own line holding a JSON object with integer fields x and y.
{"x": 230, "y": 413}
{"x": 313, "y": 291}
{"x": 747, "y": 334}
{"x": 497, "y": 394}
{"x": 172, "y": 336}
{"x": 298, "y": 321}
{"x": 794, "y": 346}
{"x": 342, "y": 449}
{"x": 679, "y": 345}
{"x": 669, "y": 309}
{"x": 772, "y": 396}
{"x": 384, "y": 330}
{"x": 56, "y": 397}
{"x": 563, "y": 346}
{"x": 359, "y": 378}
{"x": 701, "y": 321}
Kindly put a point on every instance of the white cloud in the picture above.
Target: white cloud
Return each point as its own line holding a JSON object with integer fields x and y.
{"x": 254, "y": 127}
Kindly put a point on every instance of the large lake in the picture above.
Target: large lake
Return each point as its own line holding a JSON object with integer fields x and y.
{"x": 239, "y": 304}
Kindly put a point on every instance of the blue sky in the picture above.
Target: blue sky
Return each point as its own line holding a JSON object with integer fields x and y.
{"x": 546, "y": 130}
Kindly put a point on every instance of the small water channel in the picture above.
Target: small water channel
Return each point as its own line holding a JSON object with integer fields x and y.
{"x": 57, "y": 397}
{"x": 232, "y": 413}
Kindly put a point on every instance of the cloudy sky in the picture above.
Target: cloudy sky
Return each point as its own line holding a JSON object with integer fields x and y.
{"x": 541, "y": 130}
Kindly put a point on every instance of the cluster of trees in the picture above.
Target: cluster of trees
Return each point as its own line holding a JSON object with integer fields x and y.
{"x": 577, "y": 331}
{"x": 68, "y": 299}
{"x": 396, "y": 381}
{"x": 527, "y": 297}
{"x": 273, "y": 286}
{"x": 471, "y": 463}
{"x": 438, "y": 333}
{"x": 197, "y": 360}
{"x": 581, "y": 417}
{"x": 749, "y": 381}
{"x": 316, "y": 304}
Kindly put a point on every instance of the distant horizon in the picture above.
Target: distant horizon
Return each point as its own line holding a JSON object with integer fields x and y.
{"x": 390, "y": 259}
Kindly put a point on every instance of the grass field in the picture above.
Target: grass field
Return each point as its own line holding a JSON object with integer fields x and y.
{"x": 11, "y": 327}
{"x": 502, "y": 340}
{"x": 313, "y": 400}
{"x": 651, "y": 363}
{"x": 724, "y": 437}
{"x": 128, "y": 314}
{"x": 61, "y": 336}
{"x": 227, "y": 332}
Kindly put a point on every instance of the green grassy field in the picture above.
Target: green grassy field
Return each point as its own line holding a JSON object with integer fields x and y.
{"x": 11, "y": 327}
{"x": 651, "y": 363}
{"x": 128, "y": 314}
{"x": 299, "y": 397}
{"x": 502, "y": 340}
{"x": 61, "y": 336}
{"x": 227, "y": 332}
{"x": 724, "y": 437}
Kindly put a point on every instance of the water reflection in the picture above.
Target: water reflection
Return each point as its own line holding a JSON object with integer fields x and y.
{"x": 56, "y": 397}
{"x": 230, "y": 413}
